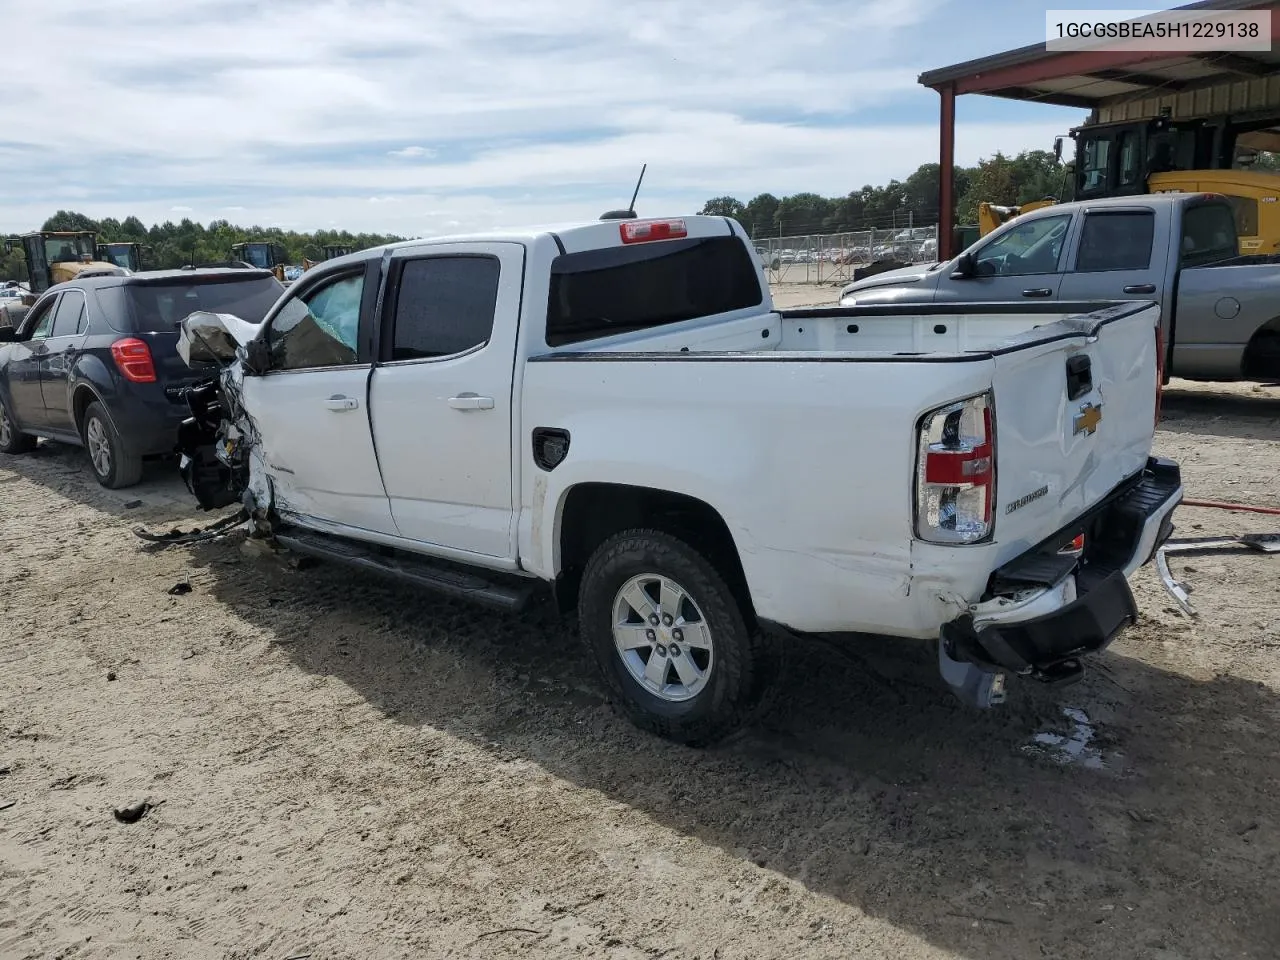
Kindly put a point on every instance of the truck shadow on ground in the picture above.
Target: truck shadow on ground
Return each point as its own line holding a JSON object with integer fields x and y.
{"x": 1255, "y": 415}
{"x": 868, "y": 783}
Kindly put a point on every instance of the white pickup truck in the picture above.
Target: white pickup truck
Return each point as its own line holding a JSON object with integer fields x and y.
{"x": 614, "y": 410}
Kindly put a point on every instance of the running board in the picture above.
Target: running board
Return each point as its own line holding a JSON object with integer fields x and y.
{"x": 509, "y": 594}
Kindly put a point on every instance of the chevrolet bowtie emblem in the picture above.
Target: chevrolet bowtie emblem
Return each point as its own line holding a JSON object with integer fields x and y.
{"x": 1088, "y": 418}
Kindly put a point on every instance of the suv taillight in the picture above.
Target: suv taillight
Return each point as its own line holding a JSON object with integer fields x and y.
{"x": 956, "y": 472}
{"x": 133, "y": 360}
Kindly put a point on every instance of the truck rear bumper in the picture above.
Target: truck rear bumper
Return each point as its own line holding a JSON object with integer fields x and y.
{"x": 1046, "y": 609}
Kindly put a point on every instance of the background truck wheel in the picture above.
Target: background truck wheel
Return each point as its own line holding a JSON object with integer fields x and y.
{"x": 670, "y": 639}
{"x": 11, "y": 441}
{"x": 113, "y": 465}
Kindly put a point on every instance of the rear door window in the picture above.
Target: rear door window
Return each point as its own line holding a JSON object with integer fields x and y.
{"x": 599, "y": 293}
{"x": 1116, "y": 241}
{"x": 444, "y": 306}
{"x": 68, "y": 319}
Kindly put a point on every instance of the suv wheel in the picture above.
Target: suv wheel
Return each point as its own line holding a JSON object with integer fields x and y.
{"x": 113, "y": 465}
{"x": 12, "y": 441}
{"x": 671, "y": 640}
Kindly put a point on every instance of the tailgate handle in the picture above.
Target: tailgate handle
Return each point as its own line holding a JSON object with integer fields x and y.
{"x": 1140, "y": 288}
{"x": 1079, "y": 376}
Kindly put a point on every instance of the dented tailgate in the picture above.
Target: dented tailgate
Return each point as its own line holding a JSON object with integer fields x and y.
{"x": 1075, "y": 415}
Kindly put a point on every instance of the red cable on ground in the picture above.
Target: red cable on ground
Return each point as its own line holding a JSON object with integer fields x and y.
{"x": 1219, "y": 505}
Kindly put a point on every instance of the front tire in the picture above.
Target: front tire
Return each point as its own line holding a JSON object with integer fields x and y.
{"x": 114, "y": 466}
{"x": 671, "y": 640}
{"x": 12, "y": 441}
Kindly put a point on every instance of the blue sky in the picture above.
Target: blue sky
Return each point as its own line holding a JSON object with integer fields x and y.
{"x": 422, "y": 117}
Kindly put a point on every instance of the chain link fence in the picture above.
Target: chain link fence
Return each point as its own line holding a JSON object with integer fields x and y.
{"x": 832, "y": 257}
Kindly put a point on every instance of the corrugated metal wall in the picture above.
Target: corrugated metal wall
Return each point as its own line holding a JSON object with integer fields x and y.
{"x": 1245, "y": 96}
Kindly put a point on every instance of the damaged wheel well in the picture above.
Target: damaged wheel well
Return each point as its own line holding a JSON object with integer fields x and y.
{"x": 593, "y": 512}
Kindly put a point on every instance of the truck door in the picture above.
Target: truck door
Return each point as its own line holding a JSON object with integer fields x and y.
{"x": 309, "y": 408}
{"x": 1115, "y": 258}
{"x": 441, "y": 395}
{"x": 1023, "y": 262}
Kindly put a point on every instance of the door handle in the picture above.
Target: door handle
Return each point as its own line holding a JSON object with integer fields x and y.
{"x": 1038, "y": 292}
{"x": 1140, "y": 288}
{"x": 469, "y": 401}
{"x": 342, "y": 403}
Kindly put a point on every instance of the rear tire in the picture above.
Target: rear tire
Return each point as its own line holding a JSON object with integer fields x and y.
{"x": 697, "y": 674}
{"x": 12, "y": 441}
{"x": 114, "y": 466}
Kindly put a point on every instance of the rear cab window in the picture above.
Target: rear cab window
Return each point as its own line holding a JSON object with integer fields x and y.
{"x": 600, "y": 293}
{"x": 1208, "y": 234}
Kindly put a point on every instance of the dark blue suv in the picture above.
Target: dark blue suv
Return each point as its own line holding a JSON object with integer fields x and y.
{"x": 95, "y": 362}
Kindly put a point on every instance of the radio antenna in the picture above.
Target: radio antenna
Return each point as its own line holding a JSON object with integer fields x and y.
{"x": 643, "y": 168}
{"x": 630, "y": 212}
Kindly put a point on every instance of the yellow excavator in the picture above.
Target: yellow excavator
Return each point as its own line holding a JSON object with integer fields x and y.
{"x": 991, "y": 215}
{"x": 122, "y": 253}
{"x": 330, "y": 252}
{"x": 53, "y": 257}
{"x": 262, "y": 254}
{"x": 1163, "y": 155}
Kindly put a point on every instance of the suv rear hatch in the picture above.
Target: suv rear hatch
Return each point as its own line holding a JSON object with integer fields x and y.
{"x": 1074, "y": 417}
{"x": 154, "y": 308}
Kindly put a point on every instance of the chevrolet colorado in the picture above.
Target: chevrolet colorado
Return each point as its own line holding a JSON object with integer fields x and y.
{"x": 614, "y": 410}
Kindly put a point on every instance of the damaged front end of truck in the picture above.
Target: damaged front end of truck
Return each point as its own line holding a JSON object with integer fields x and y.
{"x": 218, "y": 442}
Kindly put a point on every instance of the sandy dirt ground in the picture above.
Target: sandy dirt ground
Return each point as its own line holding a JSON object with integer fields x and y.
{"x": 344, "y": 768}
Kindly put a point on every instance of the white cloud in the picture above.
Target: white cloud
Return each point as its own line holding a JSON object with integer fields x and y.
{"x": 408, "y": 152}
{"x": 536, "y": 110}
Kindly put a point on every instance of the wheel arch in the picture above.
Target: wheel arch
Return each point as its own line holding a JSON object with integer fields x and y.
{"x": 1261, "y": 356}
{"x": 591, "y": 512}
{"x": 82, "y": 396}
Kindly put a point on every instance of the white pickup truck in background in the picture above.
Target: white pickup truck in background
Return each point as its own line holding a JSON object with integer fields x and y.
{"x": 614, "y": 410}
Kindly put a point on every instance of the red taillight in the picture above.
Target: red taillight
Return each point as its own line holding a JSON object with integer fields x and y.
{"x": 133, "y": 360}
{"x": 1159, "y": 369}
{"x": 642, "y": 231}
{"x": 955, "y": 472}
{"x": 1076, "y": 546}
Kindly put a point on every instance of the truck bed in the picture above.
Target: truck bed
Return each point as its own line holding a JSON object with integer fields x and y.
{"x": 875, "y": 332}
{"x": 802, "y": 426}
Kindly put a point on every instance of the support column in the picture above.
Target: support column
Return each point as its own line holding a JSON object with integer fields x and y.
{"x": 946, "y": 173}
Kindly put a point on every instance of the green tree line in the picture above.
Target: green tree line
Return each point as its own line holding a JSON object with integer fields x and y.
{"x": 1031, "y": 175}
{"x": 170, "y": 245}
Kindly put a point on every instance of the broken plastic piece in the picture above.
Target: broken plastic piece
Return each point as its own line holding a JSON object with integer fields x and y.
{"x": 1177, "y": 590}
{"x": 218, "y": 529}
{"x": 205, "y": 337}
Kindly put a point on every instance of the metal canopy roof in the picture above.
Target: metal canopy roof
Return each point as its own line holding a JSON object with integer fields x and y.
{"x": 1118, "y": 85}
{"x": 1091, "y": 78}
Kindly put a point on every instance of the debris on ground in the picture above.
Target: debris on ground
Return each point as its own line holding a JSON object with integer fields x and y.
{"x": 180, "y": 588}
{"x": 135, "y": 811}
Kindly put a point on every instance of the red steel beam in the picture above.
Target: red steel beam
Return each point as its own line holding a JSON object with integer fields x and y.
{"x": 946, "y": 173}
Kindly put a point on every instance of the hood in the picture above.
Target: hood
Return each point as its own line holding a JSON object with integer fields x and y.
{"x": 917, "y": 273}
